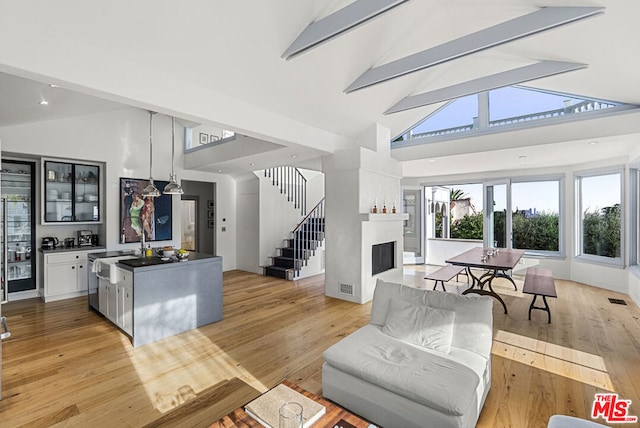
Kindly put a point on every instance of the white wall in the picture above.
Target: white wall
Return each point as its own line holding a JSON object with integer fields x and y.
{"x": 120, "y": 139}
{"x": 266, "y": 218}
{"x": 355, "y": 179}
{"x": 278, "y": 217}
{"x": 634, "y": 286}
{"x": 248, "y": 208}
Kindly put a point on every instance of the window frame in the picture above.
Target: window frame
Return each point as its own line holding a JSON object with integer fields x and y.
{"x": 560, "y": 179}
{"x": 578, "y": 225}
{"x": 634, "y": 217}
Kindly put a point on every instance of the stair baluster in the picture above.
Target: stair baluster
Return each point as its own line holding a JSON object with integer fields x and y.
{"x": 291, "y": 182}
{"x": 307, "y": 237}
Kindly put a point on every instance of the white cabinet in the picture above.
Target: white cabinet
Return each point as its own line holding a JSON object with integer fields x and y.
{"x": 65, "y": 275}
{"x": 112, "y": 302}
{"x": 125, "y": 308}
{"x": 116, "y": 300}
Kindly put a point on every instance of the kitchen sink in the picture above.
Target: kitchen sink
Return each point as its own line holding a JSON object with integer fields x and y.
{"x": 144, "y": 261}
{"x": 106, "y": 267}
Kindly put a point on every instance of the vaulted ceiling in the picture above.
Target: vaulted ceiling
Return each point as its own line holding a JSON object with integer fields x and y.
{"x": 220, "y": 63}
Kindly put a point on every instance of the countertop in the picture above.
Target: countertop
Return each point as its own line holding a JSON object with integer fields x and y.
{"x": 155, "y": 262}
{"x": 69, "y": 249}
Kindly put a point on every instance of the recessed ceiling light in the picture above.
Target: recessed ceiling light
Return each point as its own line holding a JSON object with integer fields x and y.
{"x": 432, "y": 160}
{"x": 44, "y": 102}
{"x": 593, "y": 143}
{"x": 293, "y": 156}
{"x": 252, "y": 164}
{"x": 522, "y": 157}
{"x": 52, "y": 85}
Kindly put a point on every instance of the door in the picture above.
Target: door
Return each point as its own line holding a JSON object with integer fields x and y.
{"x": 18, "y": 184}
{"x": 189, "y": 235}
{"x": 4, "y": 286}
{"x": 413, "y": 230}
{"x": 496, "y": 220}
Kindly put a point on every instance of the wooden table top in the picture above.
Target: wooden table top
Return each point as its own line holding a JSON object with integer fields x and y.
{"x": 505, "y": 259}
{"x": 335, "y": 415}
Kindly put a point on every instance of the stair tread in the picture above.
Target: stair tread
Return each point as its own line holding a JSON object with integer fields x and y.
{"x": 279, "y": 268}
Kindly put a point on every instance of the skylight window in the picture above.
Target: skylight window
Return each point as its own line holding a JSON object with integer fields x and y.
{"x": 455, "y": 116}
{"x": 511, "y": 105}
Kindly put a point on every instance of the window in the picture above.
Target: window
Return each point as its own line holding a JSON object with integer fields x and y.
{"x": 455, "y": 116}
{"x": 525, "y": 213}
{"x": 535, "y": 215}
{"x": 508, "y": 106}
{"x": 599, "y": 216}
{"x": 456, "y": 211}
{"x": 202, "y": 136}
{"x": 634, "y": 191}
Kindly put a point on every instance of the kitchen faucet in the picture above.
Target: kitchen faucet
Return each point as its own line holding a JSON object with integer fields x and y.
{"x": 142, "y": 244}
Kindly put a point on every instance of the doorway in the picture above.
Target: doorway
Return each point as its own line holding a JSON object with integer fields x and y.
{"x": 496, "y": 220}
{"x": 199, "y": 216}
{"x": 189, "y": 235}
{"x": 412, "y": 231}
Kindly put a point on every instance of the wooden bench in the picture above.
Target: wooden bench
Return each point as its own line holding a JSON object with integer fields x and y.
{"x": 539, "y": 282}
{"x": 445, "y": 273}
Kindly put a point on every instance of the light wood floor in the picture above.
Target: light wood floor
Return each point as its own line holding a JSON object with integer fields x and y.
{"x": 66, "y": 366}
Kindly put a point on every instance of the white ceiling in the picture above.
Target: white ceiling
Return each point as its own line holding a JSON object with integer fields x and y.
{"x": 220, "y": 62}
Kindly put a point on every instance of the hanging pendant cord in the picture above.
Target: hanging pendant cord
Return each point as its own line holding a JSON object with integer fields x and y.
{"x": 151, "y": 145}
{"x": 173, "y": 144}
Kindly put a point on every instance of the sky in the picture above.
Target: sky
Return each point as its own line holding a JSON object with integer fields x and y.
{"x": 503, "y": 103}
{"x": 597, "y": 192}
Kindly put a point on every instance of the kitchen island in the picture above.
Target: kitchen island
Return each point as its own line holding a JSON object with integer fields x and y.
{"x": 154, "y": 298}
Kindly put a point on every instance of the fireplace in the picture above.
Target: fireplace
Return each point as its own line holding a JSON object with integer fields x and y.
{"x": 383, "y": 257}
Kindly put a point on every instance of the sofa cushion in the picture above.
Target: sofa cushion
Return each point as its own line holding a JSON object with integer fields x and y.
{"x": 427, "y": 377}
{"x": 420, "y": 325}
{"x": 473, "y": 325}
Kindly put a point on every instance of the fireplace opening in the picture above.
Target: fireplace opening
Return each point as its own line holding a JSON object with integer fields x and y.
{"x": 383, "y": 257}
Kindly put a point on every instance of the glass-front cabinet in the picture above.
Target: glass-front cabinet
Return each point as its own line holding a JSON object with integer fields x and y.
{"x": 17, "y": 193}
{"x": 71, "y": 192}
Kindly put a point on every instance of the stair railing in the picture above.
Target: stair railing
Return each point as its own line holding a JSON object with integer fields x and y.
{"x": 291, "y": 183}
{"x": 309, "y": 232}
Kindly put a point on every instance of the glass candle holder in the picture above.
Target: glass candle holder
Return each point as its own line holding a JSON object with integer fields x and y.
{"x": 290, "y": 415}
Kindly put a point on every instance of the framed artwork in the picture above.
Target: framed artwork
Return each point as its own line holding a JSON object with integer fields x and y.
{"x": 210, "y": 214}
{"x": 210, "y": 204}
{"x": 151, "y": 216}
{"x": 204, "y": 138}
{"x": 213, "y": 138}
{"x": 211, "y": 224}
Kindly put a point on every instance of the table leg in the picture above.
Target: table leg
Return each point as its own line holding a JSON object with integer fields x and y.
{"x": 480, "y": 290}
{"x": 546, "y": 306}
{"x": 441, "y": 283}
{"x": 503, "y": 274}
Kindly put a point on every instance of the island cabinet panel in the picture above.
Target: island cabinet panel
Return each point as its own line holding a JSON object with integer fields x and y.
{"x": 170, "y": 298}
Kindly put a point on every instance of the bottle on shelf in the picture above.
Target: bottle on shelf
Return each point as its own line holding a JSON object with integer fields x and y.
{"x": 393, "y": 210}
{"x": 375, "y": 209}
{"x": 148, "y": 252}
{"x": 384, "y": 209}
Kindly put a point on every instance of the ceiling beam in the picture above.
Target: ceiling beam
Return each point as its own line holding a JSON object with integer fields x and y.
{"x": 543, "y": 19}
{"x": 337, "y": 23}
{"x": 494, "y": 81}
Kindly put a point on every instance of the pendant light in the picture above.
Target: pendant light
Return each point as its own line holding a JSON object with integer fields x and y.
{"x": 151, "y": 190}
{"x": 173, "y": 188}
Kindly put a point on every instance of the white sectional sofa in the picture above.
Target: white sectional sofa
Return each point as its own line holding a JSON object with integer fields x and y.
{"x": 424, "y": 359}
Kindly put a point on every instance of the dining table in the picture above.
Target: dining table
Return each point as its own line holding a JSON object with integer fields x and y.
{"x": 494, "y": 261}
